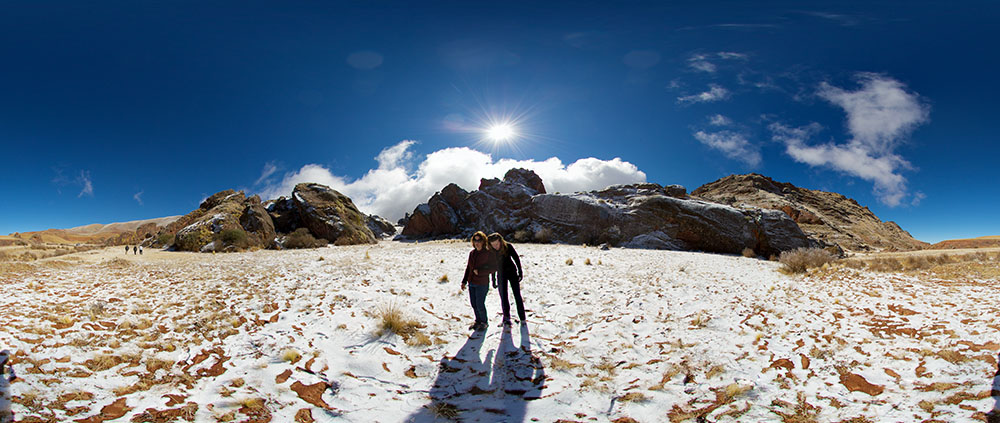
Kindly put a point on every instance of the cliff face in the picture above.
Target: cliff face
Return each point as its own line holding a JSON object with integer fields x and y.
{"x": 825, "y": 216}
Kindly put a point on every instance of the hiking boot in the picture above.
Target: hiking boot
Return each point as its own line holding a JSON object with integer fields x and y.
{"x": 474, "y": 326}
{"x": 481, "y": 326}
{"x": 505, "y": 323}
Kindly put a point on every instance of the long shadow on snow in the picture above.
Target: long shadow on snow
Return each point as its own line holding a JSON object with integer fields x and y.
{"x": 6, "y": 415}
{"x": 494, "y": 389}
{"x": 994, "y": 415}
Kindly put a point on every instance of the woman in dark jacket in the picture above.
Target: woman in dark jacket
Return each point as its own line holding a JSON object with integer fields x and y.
{"x": 509, "y": 271}
{"x": 481, "y": 264}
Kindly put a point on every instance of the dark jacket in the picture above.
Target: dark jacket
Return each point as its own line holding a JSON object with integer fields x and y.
{"x": 485, "y": 262}
{"x": 509, "y": 264}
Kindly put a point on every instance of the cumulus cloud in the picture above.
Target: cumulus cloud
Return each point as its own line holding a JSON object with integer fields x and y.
{"x": 391, "y": 190}
{"x": 715, "y": 93}
{"x": 880, "y": 115}
{"x": 87, "y": 187}
{"x": 733, "y": 144}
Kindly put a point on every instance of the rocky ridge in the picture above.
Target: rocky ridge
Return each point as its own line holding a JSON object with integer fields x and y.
{"x": 825, "y": 216}
{"x": 637, "y": 216}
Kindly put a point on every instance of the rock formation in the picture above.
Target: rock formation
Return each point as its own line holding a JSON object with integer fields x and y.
{"x": 640, "y": 216}
{"x": 330, "y": 215}
{"x": 826, "y": 216}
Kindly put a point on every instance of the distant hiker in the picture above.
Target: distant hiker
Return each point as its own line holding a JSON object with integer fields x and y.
{"x": 135, "y": 250}
{"x": 140, "y": 250}
{"x": 481, "y": 264}
{"x": 126, "y": 249}
{"x": 509, "y": 271}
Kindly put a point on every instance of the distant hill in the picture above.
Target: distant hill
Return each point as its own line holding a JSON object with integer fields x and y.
{"x": 95, "y": 233}
{"x": 826, "y": 216}
{"x": 981, "y": 242}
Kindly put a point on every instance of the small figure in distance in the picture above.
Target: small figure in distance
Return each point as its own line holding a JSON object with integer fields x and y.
{"x": 509, "y": 273}
{"x": 140, "y": 250}
{"x": 126, "y": 249}
{"x": 135, "y": 250}
{"x": 481, "y": 264}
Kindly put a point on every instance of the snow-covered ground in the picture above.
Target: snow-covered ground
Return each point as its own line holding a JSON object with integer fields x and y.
{"x": 635, "y": 335}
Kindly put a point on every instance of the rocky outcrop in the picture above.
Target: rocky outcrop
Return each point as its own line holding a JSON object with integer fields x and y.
{"x": 257, "y": 222}
{"x": 220, "y": 212}
{"x": 380, "y": 227}
{"x": 826, "y": 216}
{"x": 330, "y": 215}
{"x": 638, "y": 216}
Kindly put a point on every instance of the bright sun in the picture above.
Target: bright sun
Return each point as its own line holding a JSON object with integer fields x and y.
{"x": 500, "y": 132}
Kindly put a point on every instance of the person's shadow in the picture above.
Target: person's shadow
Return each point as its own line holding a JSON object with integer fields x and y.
{"x": 994, "y": 415}
{"x": 493, "y": 389}
{"x": 6, "y": 377}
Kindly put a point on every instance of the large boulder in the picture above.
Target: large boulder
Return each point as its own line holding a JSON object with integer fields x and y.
{"x": 380, "y": 227}
{"x": 258, "y": 222}
{"x": 642, "y": 215}
{"x": 330, "y": 215}
{"x": 284, "y": 214}
{"x": 217, "y": 213}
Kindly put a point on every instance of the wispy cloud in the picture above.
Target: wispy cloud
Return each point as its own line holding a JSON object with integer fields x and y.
{"x": 391, "y": 190}
{"x": 87, "y": 187}
{"x": 880, "y": 114}
{"x": 138, "y": 197}
{"x": 719, "y": 120}
{"x": 266, "y": 172}
{"x": 838, "y": 18}
{"x": 715, "y": 93}
{"x": 733, "y": 144}
{"x": 706, "y": 62}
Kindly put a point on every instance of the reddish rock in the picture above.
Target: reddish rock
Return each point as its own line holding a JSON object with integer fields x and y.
{"x": 855, "y": 382}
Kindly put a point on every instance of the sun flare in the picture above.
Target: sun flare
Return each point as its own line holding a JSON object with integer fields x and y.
{"x": 500, "y": 132}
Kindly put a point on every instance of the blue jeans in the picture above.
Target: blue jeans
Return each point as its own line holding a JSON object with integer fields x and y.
{"x": 515, "y": 288}
{"x": 477, "y": 296}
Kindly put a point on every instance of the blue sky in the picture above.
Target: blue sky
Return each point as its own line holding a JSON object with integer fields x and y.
{"x": 131, "y": 110}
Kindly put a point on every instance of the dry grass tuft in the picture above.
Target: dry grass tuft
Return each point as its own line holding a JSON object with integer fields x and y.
{"x": 569, "y": 262}
{"x": 291, "y": 355}
{"x": 392, "y": 320}
{"x": 633, "y": 397}
{"x": 444, "y": 410}
{"x": 587, "y": 262}
{"x": 749, "y": 253}
{"x": 556, "y": 363}
{"x": 801, "y": 259}
{"x": 443, "y": 278}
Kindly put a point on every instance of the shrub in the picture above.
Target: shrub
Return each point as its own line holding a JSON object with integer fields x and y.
{"x": 569, "y": 262}
{"x": 392, "y": 320}
{"x": 543, "y": 236}
{"x": 301, "y": 238}
{"x": 748, "y": 253}
{"x": 235, "y": 237}
{"x": 801, "y": 259}
{"x": 522, "y": 236}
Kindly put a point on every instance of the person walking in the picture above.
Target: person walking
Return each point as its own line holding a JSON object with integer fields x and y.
{"x": 135, "y": 250}
{"x": 481, "y": 264}
{"x": 126, "y": 249}
{"x": 509, "y": 274}
{"x": 140, "y": 250}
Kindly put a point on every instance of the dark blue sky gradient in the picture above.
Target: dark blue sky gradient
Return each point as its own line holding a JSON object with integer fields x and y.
{"x": 178, "y": 100}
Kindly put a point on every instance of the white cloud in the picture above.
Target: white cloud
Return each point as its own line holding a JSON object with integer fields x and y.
{"x": 719, "y": 120}
{"x": 364, "y": 60}
{"x": 269, "y": 169}
{"x": 85, "y": 182}
{"x": 704, "y": 62}
{"x": 138, "y": 197}
{"x": 714, "y": 93}
{"x": 391, "y": 190}
{"x": 853, "y": 159}
{"x": 880, "y": 115}
{"x": 641, "y": 59}
{"x": 733, "y": 144}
